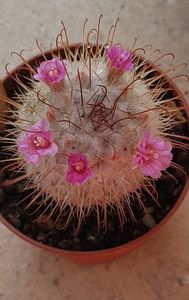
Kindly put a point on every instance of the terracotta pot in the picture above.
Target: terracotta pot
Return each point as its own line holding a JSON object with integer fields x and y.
{"x": 101, "y": 255}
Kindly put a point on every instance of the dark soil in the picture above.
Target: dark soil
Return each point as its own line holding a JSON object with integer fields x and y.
{"x": 89, "y": 237}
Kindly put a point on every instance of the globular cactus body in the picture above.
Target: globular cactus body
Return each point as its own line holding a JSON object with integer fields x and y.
{"x": 91, "y": 132}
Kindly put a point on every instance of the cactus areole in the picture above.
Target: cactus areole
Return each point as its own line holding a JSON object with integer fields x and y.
{"x": 92, "y": 134}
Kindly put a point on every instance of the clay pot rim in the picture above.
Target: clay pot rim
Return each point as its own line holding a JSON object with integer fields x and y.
{"x": 105, "y": 254}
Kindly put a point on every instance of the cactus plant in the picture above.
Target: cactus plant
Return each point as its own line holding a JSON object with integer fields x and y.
{"x": 92, "y": 131}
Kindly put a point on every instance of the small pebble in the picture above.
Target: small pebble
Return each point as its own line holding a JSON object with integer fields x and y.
{"x": 52, "y": 241}
{"x": 26, "y": 228}
{"x": 91, "y": 238}
{"x": 30, "y": 229}
{"x": 54, "y": 234}
{"x": 41, "y": 237}
{"x": 45, "y": 223}
{"x": 96, "y": 242}
{"x": 14, "y": 221}
{"x": 76, "y": 240}
{"x": 64, "y": 244}
{"x": 149, "y": 221}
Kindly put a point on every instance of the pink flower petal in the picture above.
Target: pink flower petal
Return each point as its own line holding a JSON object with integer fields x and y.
{"x": 51, "y": 71}
{"x": 37, "y": 142}
{"x": 79, "y": 171}
{"x": 120, "y": 58}
{"x": 51, "y": 150}
{"x": 153, "y": 155}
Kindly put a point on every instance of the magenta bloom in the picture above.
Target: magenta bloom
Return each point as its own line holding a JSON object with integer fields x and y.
{"x": 51, "y": 71}
{"x": 153, "y": 155}
{"x": 120, "y": 58}
{"x": 79, "y": 171}
{"x": 37, "y": 141}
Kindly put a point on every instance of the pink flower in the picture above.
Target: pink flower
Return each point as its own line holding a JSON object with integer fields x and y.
{"x": 153, "y": 155}
{"x": 79, "y": 171}
{"x": 120, "y": 58}
{"x": 51, "y": 71}
{"x": 37, "y": 141}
